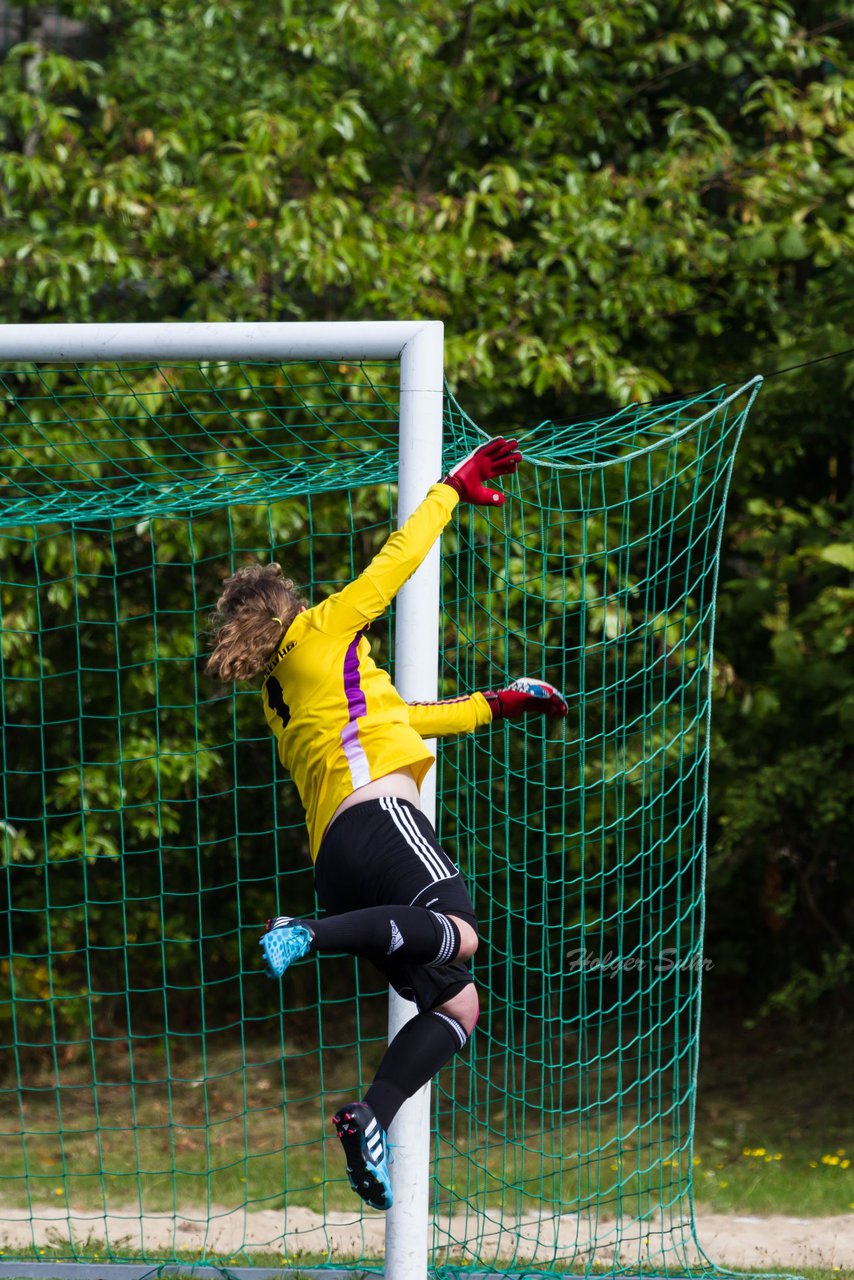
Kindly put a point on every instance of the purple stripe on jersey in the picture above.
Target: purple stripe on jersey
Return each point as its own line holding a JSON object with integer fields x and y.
{"x": 360, "y": 771}
{"x": 356, "y": 704}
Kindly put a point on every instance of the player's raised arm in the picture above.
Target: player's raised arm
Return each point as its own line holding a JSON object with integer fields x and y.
{"x": 451, "y": 716}
{"x": 368, "y": 597}
{"x": 526, "y": 697}
{"x": 497, "y": 457}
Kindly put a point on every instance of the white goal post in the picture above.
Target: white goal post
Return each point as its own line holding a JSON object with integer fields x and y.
{"x": 419, "y": 347}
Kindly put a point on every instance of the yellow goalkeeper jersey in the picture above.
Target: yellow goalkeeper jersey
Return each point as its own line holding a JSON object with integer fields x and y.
{"x": 338, "y": 719}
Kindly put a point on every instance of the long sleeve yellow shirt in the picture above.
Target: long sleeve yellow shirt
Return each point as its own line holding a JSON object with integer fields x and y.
{"x": 338, "y": 719}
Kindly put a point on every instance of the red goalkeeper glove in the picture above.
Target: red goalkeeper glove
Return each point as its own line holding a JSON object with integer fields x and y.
{"x": 526, "y": 697}
{"x": 497, "y": 457}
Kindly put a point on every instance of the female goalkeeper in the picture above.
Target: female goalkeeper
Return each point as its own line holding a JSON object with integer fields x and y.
{"x": 356, "y": 752}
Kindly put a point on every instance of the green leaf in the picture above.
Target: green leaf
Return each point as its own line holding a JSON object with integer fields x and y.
{"x": 793, "y": 244}
{"x": 841, "y": 553}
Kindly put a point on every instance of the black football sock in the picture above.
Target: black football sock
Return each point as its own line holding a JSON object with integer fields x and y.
{"x": 411, "y": 933}
{"x": 414, "y": 1056}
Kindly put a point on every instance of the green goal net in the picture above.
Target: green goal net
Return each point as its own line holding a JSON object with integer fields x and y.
{"x": 159, "y": 1098}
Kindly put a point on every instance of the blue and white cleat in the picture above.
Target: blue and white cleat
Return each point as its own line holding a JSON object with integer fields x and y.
{"x": 286, "y": 940}
{"x": 366, "y": 1149}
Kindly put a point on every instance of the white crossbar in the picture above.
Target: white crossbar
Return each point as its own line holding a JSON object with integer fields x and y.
{"x": 267, "y": 340}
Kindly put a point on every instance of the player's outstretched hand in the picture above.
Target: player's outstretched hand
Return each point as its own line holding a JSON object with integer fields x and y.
{"x": 526, "y": 697}
{"x": 497, "y": 457}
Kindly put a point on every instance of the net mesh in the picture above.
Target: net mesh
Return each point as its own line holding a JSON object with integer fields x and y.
{"x": 160, "y": 1099}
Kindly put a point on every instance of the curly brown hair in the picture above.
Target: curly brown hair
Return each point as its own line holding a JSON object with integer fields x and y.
{"x": 257, "y": 605}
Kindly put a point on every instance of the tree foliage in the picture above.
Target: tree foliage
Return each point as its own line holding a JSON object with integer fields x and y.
{"x": 603, "y": 202}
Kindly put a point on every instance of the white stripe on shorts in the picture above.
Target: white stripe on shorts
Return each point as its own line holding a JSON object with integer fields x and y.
{"x": 416, "y": 841}
{"x": 438, "y": 854}
{"x": 408, "y": 820}
{"x": 440, "y": 858}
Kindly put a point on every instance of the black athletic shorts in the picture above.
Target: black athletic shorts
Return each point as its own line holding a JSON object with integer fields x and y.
{"x": 385, "y": 853}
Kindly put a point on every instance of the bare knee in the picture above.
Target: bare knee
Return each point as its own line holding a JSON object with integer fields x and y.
{"x": 468, "y": 938}
{"x": 464, "y": 1006}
